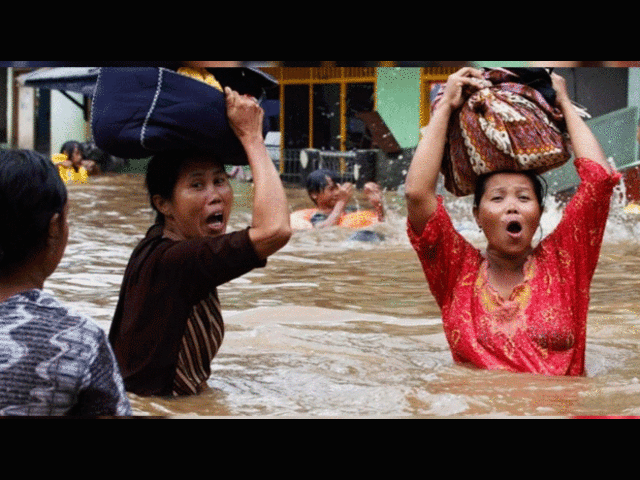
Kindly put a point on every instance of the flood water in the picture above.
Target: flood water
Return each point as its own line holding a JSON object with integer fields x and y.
{"x": 337, "y": 328}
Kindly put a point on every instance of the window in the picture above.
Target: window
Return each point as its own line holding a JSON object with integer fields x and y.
{"x": 360, "y": 98}
{"x": 296, "y": 118}
{"x": 320, "y": 106}
{"x": 326, "y": 116}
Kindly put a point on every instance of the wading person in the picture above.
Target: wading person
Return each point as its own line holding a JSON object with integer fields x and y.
{"x": 168, "y": 326}
{"x": 53, "y": 361}
{"x": 331, "y": 200}
{"x": 513, "y": 307}
{"x": 75, "y": 158}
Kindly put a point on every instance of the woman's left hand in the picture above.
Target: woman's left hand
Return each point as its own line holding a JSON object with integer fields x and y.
{"x": 584, "y": 143}
{"x": 245, "y": 115}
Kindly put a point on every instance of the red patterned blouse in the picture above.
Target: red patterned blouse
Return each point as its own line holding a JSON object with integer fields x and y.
{"x": 541, "y": 327}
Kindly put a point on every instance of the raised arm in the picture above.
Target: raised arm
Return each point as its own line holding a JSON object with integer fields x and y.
{"x": 374, "y": 196}
{"x": 421, "y": 181}
{"x": 270, "y": 229}
{"x": 583, "y": 141}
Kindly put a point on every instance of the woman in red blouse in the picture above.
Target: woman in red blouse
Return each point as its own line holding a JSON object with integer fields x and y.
{"x": 512, "y": 307}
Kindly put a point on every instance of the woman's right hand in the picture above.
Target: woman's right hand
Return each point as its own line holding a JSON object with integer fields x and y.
{"x": 422, "y": 178}
{"x": 453, "y": 95}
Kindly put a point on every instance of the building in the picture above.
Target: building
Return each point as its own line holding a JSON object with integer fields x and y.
{"x": 349, "y": 117}
{"x": 322, "y": 118}
{"x": 41, "y": 119}
{"x": 362, "y": 120}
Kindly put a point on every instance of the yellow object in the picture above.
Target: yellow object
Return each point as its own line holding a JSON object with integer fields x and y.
{"x": 68, "y": 174}
{"x": 201, "y": 74}
{"x": 59, "y": 157}
{"x": 632, "y": 208}
{"x": 360, "y": 219}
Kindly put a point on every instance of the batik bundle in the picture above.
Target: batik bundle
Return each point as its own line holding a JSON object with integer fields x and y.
{"x": 507, "y": 125}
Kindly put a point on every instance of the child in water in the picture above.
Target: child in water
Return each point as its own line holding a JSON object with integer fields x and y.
{"x": 331, "y": 200}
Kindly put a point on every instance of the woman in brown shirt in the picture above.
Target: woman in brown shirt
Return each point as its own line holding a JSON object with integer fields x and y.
{"x": 167, "y": 326}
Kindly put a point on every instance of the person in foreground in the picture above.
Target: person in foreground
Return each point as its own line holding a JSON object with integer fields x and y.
{"x": 53, "y": 361}
{"x": 168, "y": 326}
{"x": 513, "y": 307}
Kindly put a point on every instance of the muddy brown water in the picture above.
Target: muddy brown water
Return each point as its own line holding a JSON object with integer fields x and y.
{"x": 337, "y": 328}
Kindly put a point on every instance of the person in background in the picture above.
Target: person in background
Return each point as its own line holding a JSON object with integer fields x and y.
{"x": 53, "y": 361}
{"x": 332, "y": 198}
{"x": 75, "y": 158}
{"x": 513, "y": 307}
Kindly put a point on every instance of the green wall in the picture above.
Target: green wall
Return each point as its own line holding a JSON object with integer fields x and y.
{"x": 398, "y": 102}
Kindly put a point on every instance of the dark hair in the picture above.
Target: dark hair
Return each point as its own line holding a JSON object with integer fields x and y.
{"x": 163, "y": 171}
{"x": 31, "y": 192}
{"x": 69, "y": 147}
{"x": 539, "y": 185}
{"x": 317, "y": 181}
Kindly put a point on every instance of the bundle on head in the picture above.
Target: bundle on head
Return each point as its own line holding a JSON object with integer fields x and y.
{"x": 511, "y": 124}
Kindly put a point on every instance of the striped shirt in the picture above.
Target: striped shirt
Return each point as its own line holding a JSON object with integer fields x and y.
{"x": 200, "y": 343}
{"x": 168, "y": 325}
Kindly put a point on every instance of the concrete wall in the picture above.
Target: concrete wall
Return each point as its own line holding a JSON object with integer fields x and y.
{"x": 26, "y": 118}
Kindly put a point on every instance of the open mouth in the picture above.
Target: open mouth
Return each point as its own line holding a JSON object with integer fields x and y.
{"x": 215, "y": 219}
{"x": 514, "y": 227}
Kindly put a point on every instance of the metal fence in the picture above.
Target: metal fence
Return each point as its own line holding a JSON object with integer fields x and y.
{"x": 357, "y": 166}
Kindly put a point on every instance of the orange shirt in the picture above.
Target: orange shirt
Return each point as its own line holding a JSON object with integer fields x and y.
{"x": 301, "y": 219}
